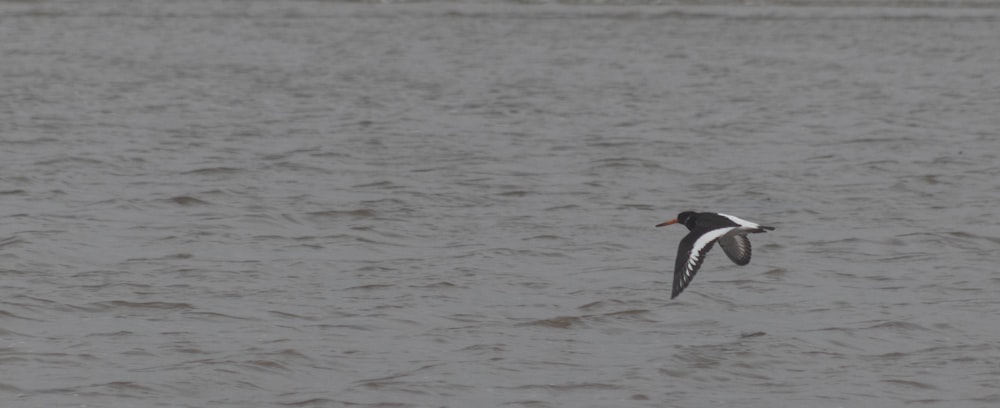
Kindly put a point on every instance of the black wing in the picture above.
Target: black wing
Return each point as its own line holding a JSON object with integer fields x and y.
{"x": 690, "y": 255}
{"x": 737, "y": 246}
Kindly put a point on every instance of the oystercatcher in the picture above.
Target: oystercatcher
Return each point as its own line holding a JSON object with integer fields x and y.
{"x": 706, "y": 228}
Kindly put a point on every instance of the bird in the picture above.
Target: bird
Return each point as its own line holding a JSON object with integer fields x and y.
{"x": 705, "y": 229}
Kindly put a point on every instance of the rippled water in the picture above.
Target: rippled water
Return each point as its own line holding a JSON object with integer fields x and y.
{"x": 319, "y": 204}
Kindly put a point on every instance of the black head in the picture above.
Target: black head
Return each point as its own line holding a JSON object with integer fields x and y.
{"x": 686, "y": 218}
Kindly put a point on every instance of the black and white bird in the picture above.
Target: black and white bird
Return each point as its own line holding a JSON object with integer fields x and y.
{"x": 707, "y": 228}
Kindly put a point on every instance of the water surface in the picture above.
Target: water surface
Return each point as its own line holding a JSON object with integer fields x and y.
{"x": 320, "y": 204}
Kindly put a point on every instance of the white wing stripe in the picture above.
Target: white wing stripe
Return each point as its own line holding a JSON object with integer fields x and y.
{"x": 742, "y": 222}
{"x": 700, "y": 243}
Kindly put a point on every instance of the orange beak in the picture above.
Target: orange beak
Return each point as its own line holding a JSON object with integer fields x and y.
{"x": 664, "y": 224}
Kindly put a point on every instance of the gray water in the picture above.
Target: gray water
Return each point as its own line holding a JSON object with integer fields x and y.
{"x": 322, "y": 204}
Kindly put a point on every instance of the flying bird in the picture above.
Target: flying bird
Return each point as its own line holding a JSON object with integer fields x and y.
{"x": 707, "y": 228}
